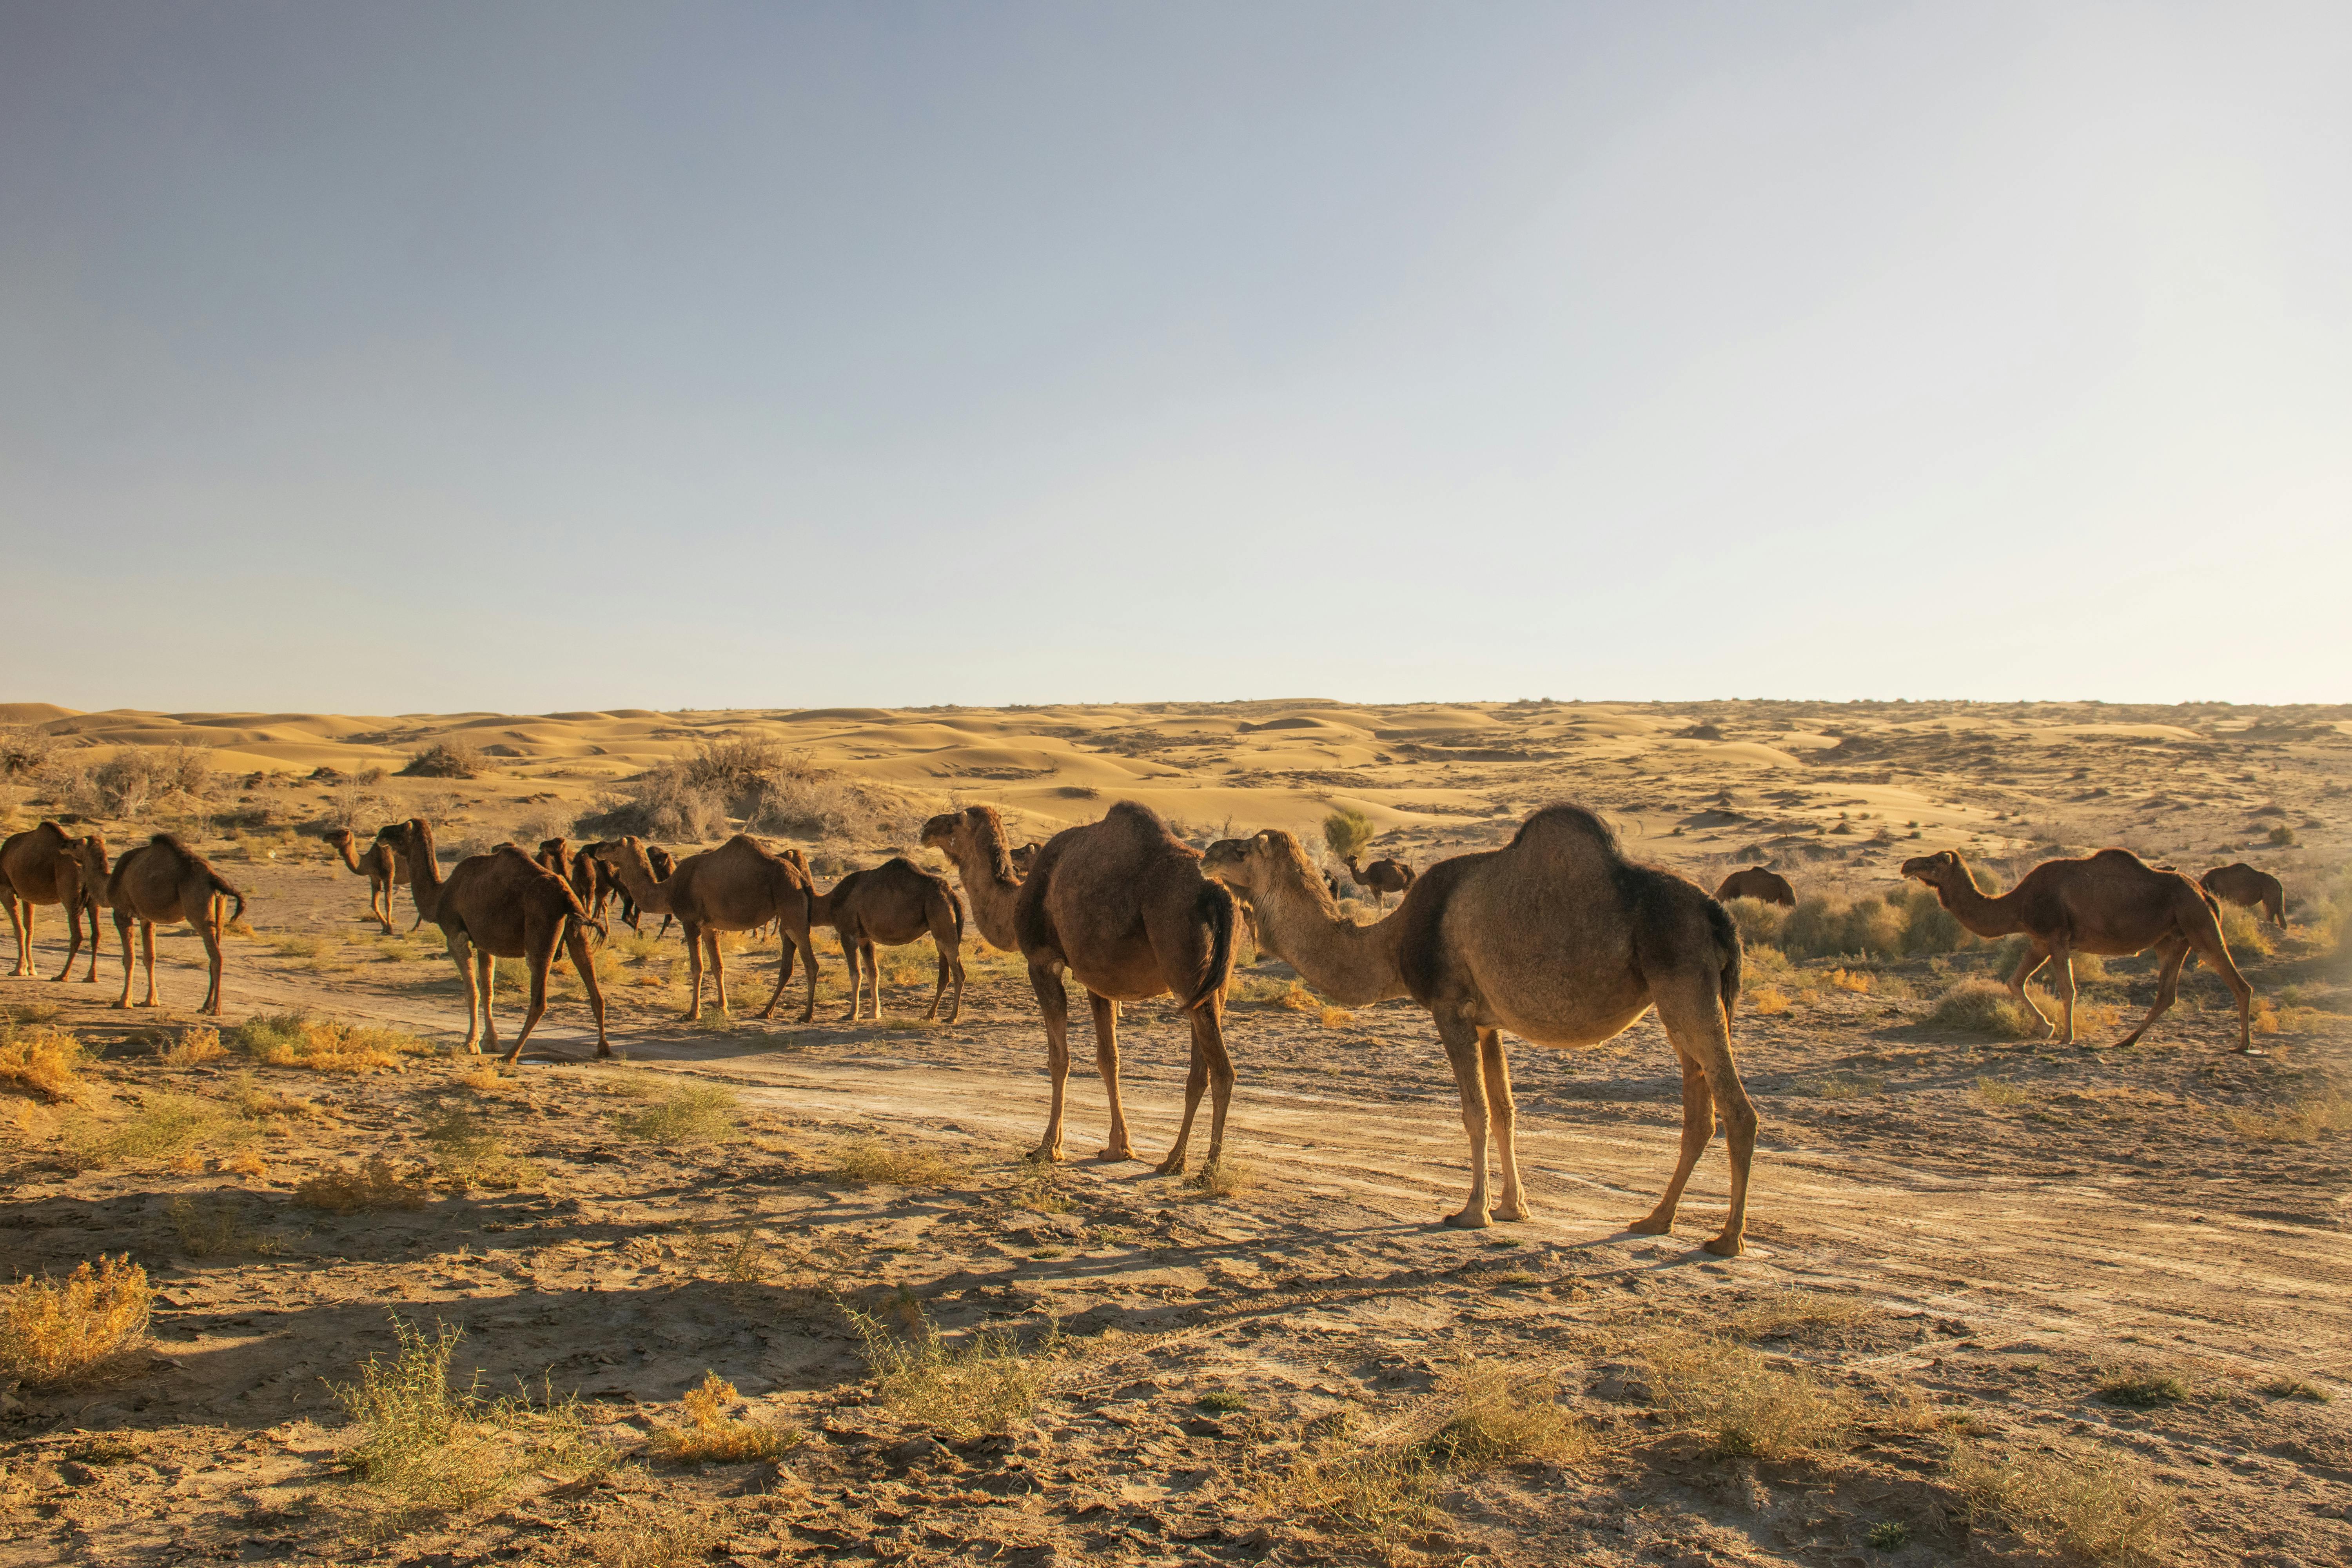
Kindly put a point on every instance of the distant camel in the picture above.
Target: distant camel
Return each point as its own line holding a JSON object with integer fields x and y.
{"x": 503, "y": 904}
{"x": 1756, "y": 882}
{"x": 739, "y": 886}
{"x": 1122, "y": 906}
{"x": 2240, "y": 884}
{"x": 1382, "y": 876}
{"x": 1556, "y": 938}
{"x": 82, "y": 877}
{"x": 163, "y": 882}
{"x": 379, "y": 864}
{"x": 29, "y": 878}
{"x": 895, "y": 903}
{"x": 2111, "y": 903}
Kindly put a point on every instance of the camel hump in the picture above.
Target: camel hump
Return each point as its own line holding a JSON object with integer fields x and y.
{"x": 2121, "y": 857}
{"x": 1136, "y": 817}
{"x": 171, "y": 842}
{"x": 1569, "y": 827}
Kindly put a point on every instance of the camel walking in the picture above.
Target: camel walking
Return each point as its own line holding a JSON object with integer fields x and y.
{"x": 1382, "y": 876}
{"x": 2245, "y": 886}
{"x": 2112, "y": 904}
{"x": 1756, "y": 882}
{"x": 1121, "y": 905}
{"x": 503, "y": 904}
{"x": 739, "y": 886}
{"x": 379, "y": 864}
{"x": 895, "y": 903}
{"x": 1556, "y": 938}
{"x": 163, "y": 882}
{"x": 28, "y": 878}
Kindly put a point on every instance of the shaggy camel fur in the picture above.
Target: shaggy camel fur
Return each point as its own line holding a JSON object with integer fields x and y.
{"x": 739, "y": 886}
{"x": 1756, "y": 882}
{"x": 2112, "y": 904}
{"x": 379, "y": 864}
{"x": 1382, "y": 876}
{"x": 162, "y": 882}
{"x": 1122, "y": 906}
{"x": 895, "y": 903}
{"x": 2248, "y": 888}
{"x": 82, "y": 877}
{"x": 1556, "y": 938}
{"x": 500, "y": 905}
{"x": 29, "y": 878}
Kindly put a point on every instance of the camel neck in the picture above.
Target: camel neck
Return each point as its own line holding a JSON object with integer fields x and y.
{"x": 1982, "y": 915}
{"x": 991, "y": 896}
{"x": 423, "y": 877}
{"x": 348, "y": 849}
{"x": 636, "y": 873}
{"x": 1346, "y": 962}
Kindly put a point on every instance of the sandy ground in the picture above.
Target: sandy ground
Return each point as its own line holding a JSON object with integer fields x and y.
{"x": 1993, "y": 1251}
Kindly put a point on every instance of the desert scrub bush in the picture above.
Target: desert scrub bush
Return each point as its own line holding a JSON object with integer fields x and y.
{"x": 167, "y": 1129}
{"x": 1222, "y": 1177}
{"x": 2000, "y": 1091}
{"x": 259, "y": 1104}
{"x": 453, "y": 758}
{"x": 25, "y": 751}
{"x": 375, "y": 1183}
{"x": 192, "y": 1047}
{"x": 1347, "y": 831}
{"x": 771, "y": 788}
{"x": 1749, "y": 1407}
{"x": 1494, "y": 1420}
{"x": 173, "y": 782}
{"x": 1908, "y": 922}
{"x": 1272, "y": 992}
{"x": 712, "y": 1435}
{"x": 470, "y": 1152}
{"x": 210, "y": 1229}
{"x": 2101, "y": 1506}
{"x": 981, "y": 1385}
{"x": 1037, "y": 1186}
{"x": 1760, "y": 923}
{"x": 870, "y": 1160}
{"x": 1767, "y": 1001}
{"x": 2244, "y": 934}
{"x": 2302, "y": 1120}
{"x": 41, "y": 1061}
{"x": 687, "y": 1113}
{"x": 1976, "y": 1006}
{"x": 428, "y": 1449}
{"x": 85, "y": 1327}
{"x": 2141, "y": 1387}
{"x": 322, "y": 1045}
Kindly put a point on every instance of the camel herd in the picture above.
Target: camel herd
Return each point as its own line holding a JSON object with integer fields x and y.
{"x": 1555, "y": 936}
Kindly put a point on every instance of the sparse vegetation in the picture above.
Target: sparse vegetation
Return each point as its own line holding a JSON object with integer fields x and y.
{"x": 1348, "y": 831}
{"x": 81, "y": 1328}
{"x": 2302, "y": 1120}
{"x": 166, "y": 1128}
{"x": 40, "y": 1060}
{"x": 1995, "y": 1091}
{"x": 1749, "y": 1406}
{"x": 1222, "y": 1177}
{"x": 962, "y": 1390}
{"x": 2100, "y": 1507}
{"x": 211, "y": 1229}
{"x": 871, "y": 1160}
{"x": 469, "y": 1151}
{"x": 765, "y": 785}
{"x": 647, "y": 1537}
{"x": 322, "y": 1045}
{"x": 712, "y": 1435}
{"x": 1805, "y": 1316}
{"x": 192, "y": 1047}
{"x": 1980, "y": 1007}
{"x": 375, "y": 1183}
{"x": 2140, "y": 1387}
{"x": 454, "y": 758}
{"x": 2303, "y": 1388}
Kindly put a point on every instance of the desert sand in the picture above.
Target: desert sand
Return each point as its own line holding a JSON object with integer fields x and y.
{"x": 2135, "y": 1262}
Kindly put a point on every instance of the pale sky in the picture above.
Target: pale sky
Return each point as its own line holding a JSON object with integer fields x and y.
{"x": 532, "y": 356}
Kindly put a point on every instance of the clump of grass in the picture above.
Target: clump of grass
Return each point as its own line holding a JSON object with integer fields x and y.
{"x": 1847, "y": 1085}
{"x": 2285, "y": 1387}
{"x": 2243, "y": 933}
{"x": 1222, "y": 1402}
{"x": 1980, "y": 1007}
{"x": 710, "y": 1435}
{"x": 871, "y": 1160}
{"x": 688, "y": 1113}
{"x": 41, "y": 1061}
{"x": 2140, "y": 1389}
{"x": 1336, "y": 1018}
{"x": 322, "y": 1044}
{"x": 192, "y": 1047}
{"x": 1853, "y": 980}
{"x": 255, "y": 1103}
{"x": 2102, "y": 1508}
{"x": 2303, "y": 1120}
{"x": 1494, "y": 1421}
{"x": 428, "y": 1449}
{"x": 2000, "y": 1091}
{"x": 962, "y": 1390}
{"x": 1889, "y": 1535}
{"x": 1767, "y": 1001}
{"x": 739, "y": 1260}
{"x": 374, "y": 1183}
{"x": 1805, "y": 1316}
{"x": 298, "y": 946}
{"x": 167, "y": 1129}
{"x": 207, "y": 1230}
{"x": 1037, "y": 1186}
{"x": 469, "y": 1150}
{"x": 1749, "y": 1406}
{"x": 85, "y": 1327}
{"x": 649, "y": 1538}
{"x": 1222, "y": 1177}
{"x": 1289, "y": 994}
{"x": 451, "y": 759}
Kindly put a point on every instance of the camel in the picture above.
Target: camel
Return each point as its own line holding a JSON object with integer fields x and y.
{"x": 29, "y": 878}
{"x": 1555, "y": 937}
{"x": 1121, "y": 905}
{"x": 739, "y": 886}
{"x": 893, "y": 904}
{"x": 503, "y": 904}
{"x": 590, "y": 879}
{"x": 1026, "y": 858}
{"x": 379, "y": 864}
{"x": 1756, "y": 882}
{"x": 1382, "y": 876}
{"x": 2112, "y": 904}
{"x": 2240, "y": 884}
{"x": 163, "y": 882}
{"x": 82, "y": 877}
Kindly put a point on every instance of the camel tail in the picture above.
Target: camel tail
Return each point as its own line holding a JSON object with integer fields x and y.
{"x": 955, "y": 903}
{"x": 1726, "y": 935}
{"x": 221, "y": 887}
{"x": 1216, "y": 906}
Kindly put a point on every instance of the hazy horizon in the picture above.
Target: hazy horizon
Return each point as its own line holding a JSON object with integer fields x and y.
{"x": 554, "y": 357}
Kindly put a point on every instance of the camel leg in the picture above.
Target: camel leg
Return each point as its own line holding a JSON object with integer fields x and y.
{"x": 2216, "y": 954}
{"x": 2062, "y": 975}
{"x": 870, "y": 972}
{"x": 1106, "y": 1013}
{"x": 2027, "y": 967}
{"x": 1502, "y": 1121}
{"x": 20, "y": 915}
{"x": 1460, "y": 1038}
{"x": 147, "y": 951}
{"x": 130, "y": 968}
{"x": 2170, "y": 959}
{"x": 487, "y": 963}
{"x": 694, "y": 972}
{"x": 539, "y": 955}
{"x": 1054, "y": 1003}
{"x": 91, "y": 978}
{"x": 717, "y": 966}
{"x": 1213, "y": 1067}
{"x": 575, "y": 937}
{"x": 1698, "y": 1127}
{"x": 939, "y": 985}
{"x": 208, "y": 928}
{"x": 857, "y": 976}
{"x": 953, "y": 958}
{"x": 73, "y": 929}
{"x": 1691, "y": 1009}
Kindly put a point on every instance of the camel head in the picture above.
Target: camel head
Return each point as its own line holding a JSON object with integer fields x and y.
{"x": 1943, "y": 871}
{"x": 1026, "y": 857}
{"x": 412, "y": 840}
{"x": 976, "y": 826}
{"x": 338, "y": 837}
{"x": 616, "y": 851}
{"x": 84, "y": 858}
{"x": 1258, "y": 866}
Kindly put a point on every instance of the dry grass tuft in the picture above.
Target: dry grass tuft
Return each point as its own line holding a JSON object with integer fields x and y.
{"x": 2303, "y": 1120}
{"x": 192, "y": 1047}
{"x": 688, "y": 1113}
{"x": 981, "y": 1385}
{"x": 208, "y": 1230}
{"x": 712, "y": 1435}
{"x": 2098, "y": 1507}
{"x": 1494, "y": 1421}
{"x": 650, "y": 1538}
{"x": 872, "y": 1161}
{"x": 1805, "y": 1316}
{"x": 2140, "y": 1387}
{"x": 1222, "y": 1177}
{"x": 2287, "y": 1387}
{"x": 2000, "y": 1091}
{"x": 41, "y": 1061}
{"x": 2244, "y": 934}
{"x": 374, "y": 1183}
{"x": 1336, "y": 1018}
{"x": 1980, "y": 1007}
{"x": 85, "y": 1327}
{"x": 1768, "y": 1001}
{"x": 171, "y": 1129}
{"x": 1751, "y": 1407}
{"x": 469, "y": 1151}
{"x": 322, "y": 1045}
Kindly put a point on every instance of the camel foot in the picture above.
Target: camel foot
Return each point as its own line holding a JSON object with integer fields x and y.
{"x": 2248, "y": 1051}
{"x": 1518, "y": 1211}
{"x": 1724, "y": 1245}
{"x": 1468, "y": 1219}
{"x": 1115, "y": 1153}
{"x": 1652, "y": 1225}
{"x": 1045, "y": 1155}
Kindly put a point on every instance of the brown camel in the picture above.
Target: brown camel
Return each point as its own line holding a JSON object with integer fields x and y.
{"x": 739, "y": 886}
{"x": 1756, "y": 882}
{"x": 2245, "y": 886}
{"x": 82, "y": 877}
{"x": 379, "y": 864}
{"x": 1122, "y": 906}
{"x": 1555, "y": 937}
{"x": 163, "y": 882}
{"x": 1025, "y": 858}
{"x": 503, "y": 904}
{"x": 28, "y": 878}
{"x": 895, "y": 903}
{"x": 2112, "y": 904}
{"x": 590, "y": 879}
{"x": 1382, "y": 876}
